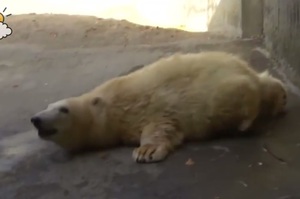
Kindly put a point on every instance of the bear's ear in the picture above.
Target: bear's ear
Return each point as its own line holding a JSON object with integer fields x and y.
{"x": 97, "y": 101}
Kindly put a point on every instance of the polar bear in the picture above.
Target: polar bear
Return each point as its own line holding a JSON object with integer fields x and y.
{"x": 177, "y": 98}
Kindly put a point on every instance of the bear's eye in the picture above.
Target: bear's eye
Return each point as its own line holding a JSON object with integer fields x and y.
{"x": 64, "y": 109}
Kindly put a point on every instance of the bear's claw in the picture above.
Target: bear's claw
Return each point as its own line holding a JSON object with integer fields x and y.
{"x": 149, "y": 153}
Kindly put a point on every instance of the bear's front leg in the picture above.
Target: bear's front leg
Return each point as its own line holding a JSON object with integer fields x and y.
{"x": 157, "y": 141}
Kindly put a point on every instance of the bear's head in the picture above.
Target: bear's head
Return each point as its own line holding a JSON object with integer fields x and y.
{"x": 67, "y": 122}
{"x": 274, "y": 96}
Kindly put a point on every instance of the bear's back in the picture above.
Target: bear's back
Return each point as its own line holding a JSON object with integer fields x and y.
{"x": 181, "y": 69}
{"x": 184, "y": 88}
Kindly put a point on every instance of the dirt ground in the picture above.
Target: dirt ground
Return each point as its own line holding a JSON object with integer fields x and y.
{"x": 52, "y": 57}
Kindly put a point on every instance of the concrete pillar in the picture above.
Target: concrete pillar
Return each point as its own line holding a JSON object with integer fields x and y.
{"x": 252, "y": 18}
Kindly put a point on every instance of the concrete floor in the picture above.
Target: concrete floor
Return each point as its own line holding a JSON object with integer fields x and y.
{"x": 49, "y": 58}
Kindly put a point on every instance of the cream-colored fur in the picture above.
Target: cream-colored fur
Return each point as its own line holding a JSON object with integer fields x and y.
{"x": 181, "y": 97}
{"x": 274, "y": 97}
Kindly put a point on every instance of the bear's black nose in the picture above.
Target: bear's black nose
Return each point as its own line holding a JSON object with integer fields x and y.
{"x": 36, "y": 121}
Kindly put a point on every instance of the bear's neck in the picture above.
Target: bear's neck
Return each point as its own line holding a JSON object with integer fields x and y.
{"x": 104, "y": 132}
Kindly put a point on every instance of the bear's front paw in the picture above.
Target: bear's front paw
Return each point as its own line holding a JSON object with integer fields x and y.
{"x": 149, "y": 153}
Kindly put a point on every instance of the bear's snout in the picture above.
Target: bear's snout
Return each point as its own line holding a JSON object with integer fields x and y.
{"x": 43, "y": 129}
{"x": 36, "y": 121}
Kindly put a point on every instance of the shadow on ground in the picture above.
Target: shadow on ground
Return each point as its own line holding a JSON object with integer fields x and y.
{"x": 53, "y": 57}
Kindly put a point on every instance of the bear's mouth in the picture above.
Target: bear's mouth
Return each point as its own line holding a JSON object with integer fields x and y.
{"x": 46, "y": 133}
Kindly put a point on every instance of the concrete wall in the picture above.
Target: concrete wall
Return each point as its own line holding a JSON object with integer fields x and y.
{"x": 252, "y": 18}
{"x": 278, "y": 20}
{"x": 282, "y": 30}
{"x": 223, "y": 16}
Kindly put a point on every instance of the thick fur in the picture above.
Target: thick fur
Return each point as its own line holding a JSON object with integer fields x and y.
{"x": 181, "y": 97}
{"x": 274, "y": 97}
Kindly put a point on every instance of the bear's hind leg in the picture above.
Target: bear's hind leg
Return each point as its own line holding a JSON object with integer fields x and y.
{"x": 242, "y": 95}
{"x": 250, "y": 108}
{"x": 245, "y": 125}
{"x": 157, "y": 141}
